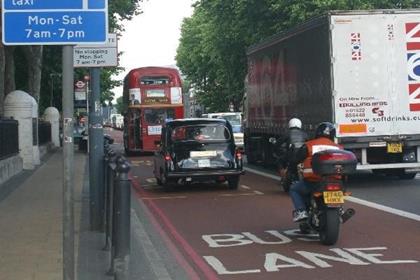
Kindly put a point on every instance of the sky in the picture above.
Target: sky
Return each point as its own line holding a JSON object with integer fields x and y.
{"x": 151, "y": 38}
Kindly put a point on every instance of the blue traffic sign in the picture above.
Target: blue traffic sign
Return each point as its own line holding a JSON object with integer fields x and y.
{"x": 54, "y": 22}
{"x": 53, "y": 4}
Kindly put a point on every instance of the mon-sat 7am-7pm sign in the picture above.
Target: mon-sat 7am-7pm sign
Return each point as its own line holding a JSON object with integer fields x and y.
{"x": 54, "y": 22}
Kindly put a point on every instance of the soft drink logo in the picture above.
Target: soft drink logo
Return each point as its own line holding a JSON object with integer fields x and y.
{"x": 356, "y": 46}
{"x": 413, "y": 62}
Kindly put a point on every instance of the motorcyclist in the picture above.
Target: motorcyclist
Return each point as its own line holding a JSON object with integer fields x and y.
{"x": 295, "y": 139}
{"x": 300, "y": 191}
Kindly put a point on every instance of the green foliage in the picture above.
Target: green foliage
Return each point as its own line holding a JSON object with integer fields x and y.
{"x": 119, "y": 105}
{"x": 212, "y": 50}
{"x": 122, "y": 10}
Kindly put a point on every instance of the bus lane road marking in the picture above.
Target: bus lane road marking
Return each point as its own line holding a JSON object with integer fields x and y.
{"x": 274, "y": 261}
{"x": 353, "y": 199}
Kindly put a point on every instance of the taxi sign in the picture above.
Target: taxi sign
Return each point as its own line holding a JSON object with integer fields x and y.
{"x": 52, "y": 22}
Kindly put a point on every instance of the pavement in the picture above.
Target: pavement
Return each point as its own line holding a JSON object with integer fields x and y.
{"x": 31, "y": 224}
{"x": 31, "y": 229}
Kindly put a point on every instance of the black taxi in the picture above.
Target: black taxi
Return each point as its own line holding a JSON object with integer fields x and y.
{"x": 192, "y": 150}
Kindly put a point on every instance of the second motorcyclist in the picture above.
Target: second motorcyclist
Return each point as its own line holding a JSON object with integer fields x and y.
{"x": 286, "y": 151}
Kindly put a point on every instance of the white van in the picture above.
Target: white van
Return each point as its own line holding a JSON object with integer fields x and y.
{"x": 235, "y": 119}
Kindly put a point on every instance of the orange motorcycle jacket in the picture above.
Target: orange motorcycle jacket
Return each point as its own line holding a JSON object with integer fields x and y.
{"x": 315, "y": 146}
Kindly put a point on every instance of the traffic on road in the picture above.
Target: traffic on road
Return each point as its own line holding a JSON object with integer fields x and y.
{"x": 214, "y": 232}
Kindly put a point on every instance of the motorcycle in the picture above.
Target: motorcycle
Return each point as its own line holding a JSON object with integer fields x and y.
{"x": 325, "y": 210}
{"x": 289, "y": 174}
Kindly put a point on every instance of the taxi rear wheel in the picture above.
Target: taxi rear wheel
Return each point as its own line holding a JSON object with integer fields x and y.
{"x": 233, "y": 182}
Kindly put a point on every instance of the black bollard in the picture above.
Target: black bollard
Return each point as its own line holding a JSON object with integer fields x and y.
{"x": 115, "y": 192}
{"x": 109, "y": 187}
{"x": 122, "y": 222}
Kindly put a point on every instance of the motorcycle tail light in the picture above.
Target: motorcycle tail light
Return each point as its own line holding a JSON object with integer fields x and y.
{"x": 168, "y": 157}
{"x": 332, "y": 187}
{"x": 238, "y": 154}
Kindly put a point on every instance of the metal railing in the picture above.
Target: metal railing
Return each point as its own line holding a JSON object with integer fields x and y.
{"x": 9, "y": 138}
{"x": 117, "y": 193}
{"x": 44, "y": 132}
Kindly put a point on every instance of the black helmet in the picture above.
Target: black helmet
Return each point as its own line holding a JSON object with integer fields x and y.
{"x": 325, "y": 129}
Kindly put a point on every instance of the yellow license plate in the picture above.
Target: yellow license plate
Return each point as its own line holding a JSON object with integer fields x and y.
{"x": 333, "y": 197}
{"x": 394, "y": 148}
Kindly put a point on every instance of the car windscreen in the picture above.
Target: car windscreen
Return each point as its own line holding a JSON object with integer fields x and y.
{"x": 201, "y": 133}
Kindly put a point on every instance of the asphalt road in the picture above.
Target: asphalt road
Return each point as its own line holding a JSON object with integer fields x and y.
{"x": 209, "y": 232}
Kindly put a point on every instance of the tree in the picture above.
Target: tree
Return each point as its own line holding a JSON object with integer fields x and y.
{"x": 214, "y": 40}
{"x": 120, "y": 105}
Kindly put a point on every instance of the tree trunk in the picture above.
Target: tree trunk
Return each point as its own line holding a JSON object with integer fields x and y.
{"x": 33, "y": 56}
{"x": 9, "y": 76}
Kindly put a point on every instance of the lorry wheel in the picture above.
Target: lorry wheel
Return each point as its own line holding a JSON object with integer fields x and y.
{"x": 330, "y": 226}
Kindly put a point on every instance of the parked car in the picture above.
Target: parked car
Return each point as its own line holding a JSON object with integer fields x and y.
{"x": 193, "y": 150}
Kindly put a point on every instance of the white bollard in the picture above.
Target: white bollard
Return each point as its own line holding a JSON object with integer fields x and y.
{"x": 52, "y": 115}
{"x": 19, "y": 106}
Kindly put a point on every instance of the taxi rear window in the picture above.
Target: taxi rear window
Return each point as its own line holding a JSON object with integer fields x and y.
{"x": 201, "y": 132}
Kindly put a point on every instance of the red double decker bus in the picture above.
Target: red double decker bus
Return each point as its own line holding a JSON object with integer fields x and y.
{"x": 151, "y": 96}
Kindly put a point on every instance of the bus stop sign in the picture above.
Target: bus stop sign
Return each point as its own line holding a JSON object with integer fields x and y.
{"x": 54, "y": 22}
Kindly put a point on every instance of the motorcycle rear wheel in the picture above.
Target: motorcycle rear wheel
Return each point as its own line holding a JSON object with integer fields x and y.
{"x": 330, "y": 226}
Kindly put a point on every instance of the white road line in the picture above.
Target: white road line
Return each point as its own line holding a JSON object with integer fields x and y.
{"x": 155, "y": 260}
{"x": 353, "y": 199}
{"x": 245, "y": 187}
{"x": 271, "y": 176}
{"x": 384, "y": 208}
{"x": 258, "y": 192}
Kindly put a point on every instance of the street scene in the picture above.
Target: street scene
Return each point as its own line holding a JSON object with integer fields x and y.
{"x": 196, "y": 139}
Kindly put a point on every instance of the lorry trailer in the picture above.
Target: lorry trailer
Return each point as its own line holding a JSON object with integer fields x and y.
{"x": 357, "y": 69}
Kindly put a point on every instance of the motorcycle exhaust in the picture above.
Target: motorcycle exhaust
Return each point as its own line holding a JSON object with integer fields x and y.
{"x": 347, "y": 215}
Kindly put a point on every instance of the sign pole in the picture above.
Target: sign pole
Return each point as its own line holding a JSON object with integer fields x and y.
{"x": 96, "y": 154}
{"x": 68, "y": 165}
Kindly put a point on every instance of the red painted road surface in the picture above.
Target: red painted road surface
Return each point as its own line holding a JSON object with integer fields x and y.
{"x": 216, "y": 233}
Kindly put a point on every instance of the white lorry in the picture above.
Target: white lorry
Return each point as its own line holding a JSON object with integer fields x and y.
{"x": 358, "y": 69}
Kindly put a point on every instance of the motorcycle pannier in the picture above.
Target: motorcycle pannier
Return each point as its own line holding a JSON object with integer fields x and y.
{"x": 331, "y": 162}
